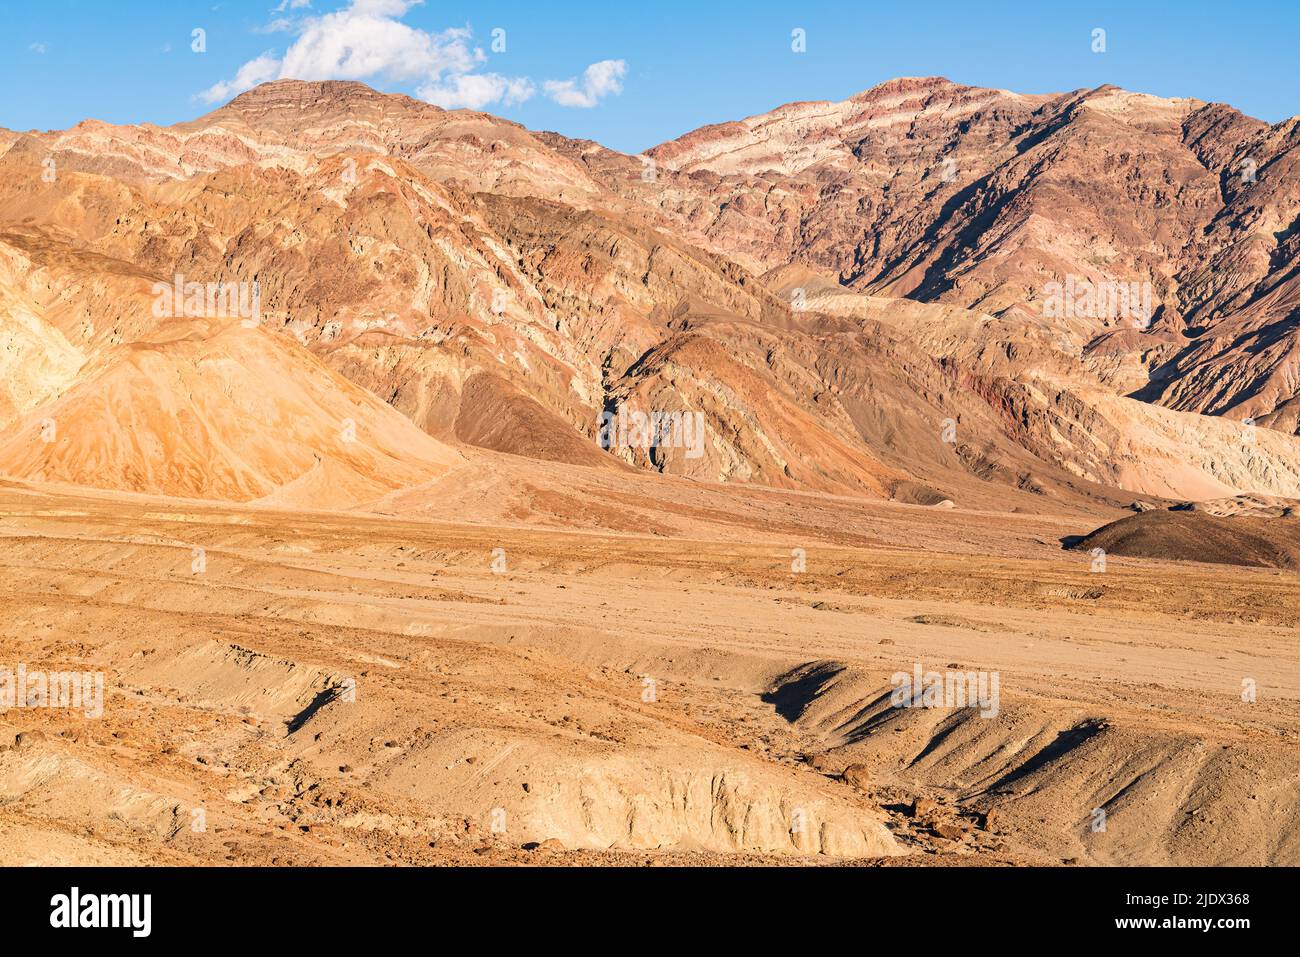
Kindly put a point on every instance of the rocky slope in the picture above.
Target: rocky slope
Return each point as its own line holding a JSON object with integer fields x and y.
{"x": 992, "y": 200}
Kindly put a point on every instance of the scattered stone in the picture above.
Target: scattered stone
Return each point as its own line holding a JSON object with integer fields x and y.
{"x": 550, "y": 844}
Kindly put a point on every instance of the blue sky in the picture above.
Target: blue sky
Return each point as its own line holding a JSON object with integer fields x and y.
{"x": 630, "y": 73}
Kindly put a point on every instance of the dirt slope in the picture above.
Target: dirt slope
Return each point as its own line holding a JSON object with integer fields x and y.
{"x": 1198, "y": 536}
{"x": 210, "y": 409}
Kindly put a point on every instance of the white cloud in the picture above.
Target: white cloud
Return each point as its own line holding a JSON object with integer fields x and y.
{"x": 476, "y": 90}
{"x": 278, "y": 25}
{"x": 598, "y": 80}
{"x": 264, "y": 68}
{"x": 39, "y": 47}
{"x": 291, "y": 5}
{"x": 366, "y": 40}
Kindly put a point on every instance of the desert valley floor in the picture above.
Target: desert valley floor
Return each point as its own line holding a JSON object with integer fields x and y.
{"x": 327, "y": 688}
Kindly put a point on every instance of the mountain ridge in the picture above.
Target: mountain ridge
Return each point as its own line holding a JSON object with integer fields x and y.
{"x": 893, "y": 249}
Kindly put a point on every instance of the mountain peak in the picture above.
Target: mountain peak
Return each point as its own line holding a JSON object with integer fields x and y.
{"x": 907, "y": 84}
{"x": 326, "y": 94}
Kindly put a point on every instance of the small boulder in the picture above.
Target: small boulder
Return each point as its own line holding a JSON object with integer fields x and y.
{"x": 922, "y": 807}
{"x": 825, "y": 763}
{"x": 948, "y": 831}
{"x": 25, "y": 739}
{"x": 858, "y": 776}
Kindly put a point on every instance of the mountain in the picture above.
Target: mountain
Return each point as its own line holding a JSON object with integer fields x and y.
{"x": 855, "y": 298}
{"x": 930, "y": 190}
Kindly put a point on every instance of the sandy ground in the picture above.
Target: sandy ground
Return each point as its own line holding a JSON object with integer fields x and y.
{"x": 315, "y": 688}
